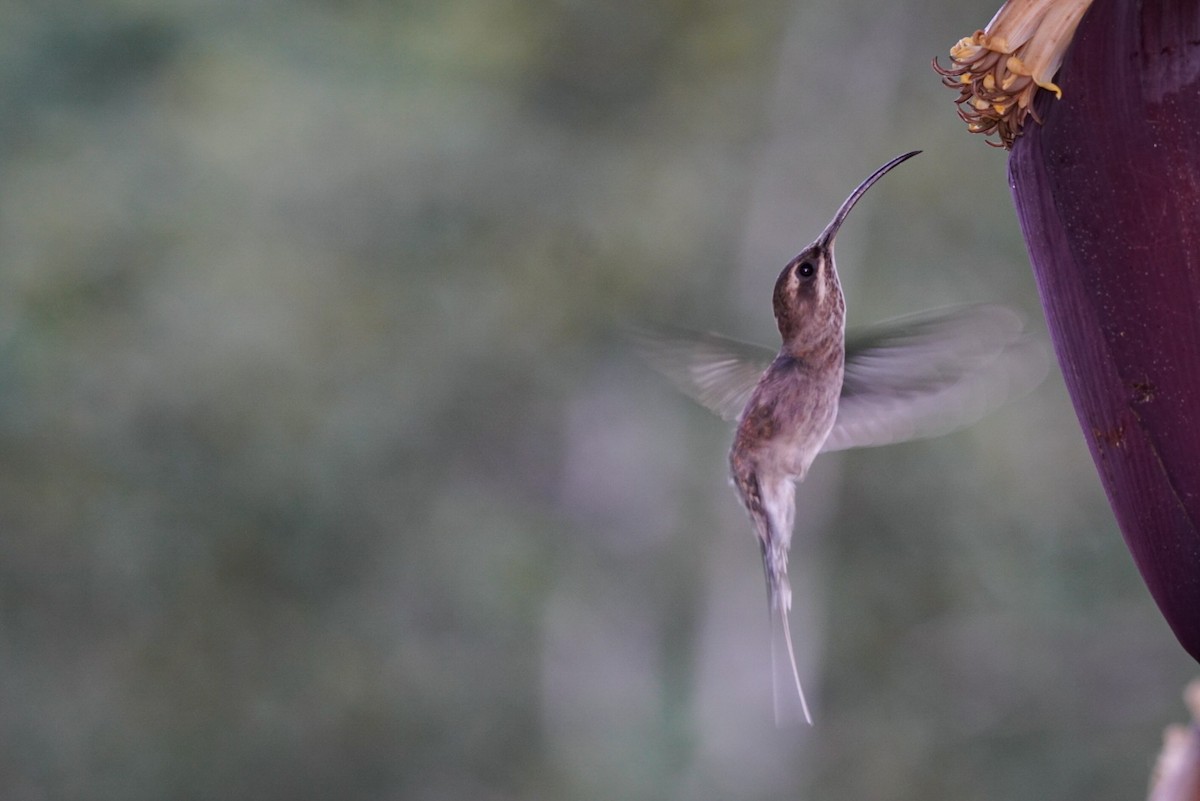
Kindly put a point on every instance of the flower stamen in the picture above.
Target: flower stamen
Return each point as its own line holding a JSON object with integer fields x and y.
{"x": 998, "y": 70}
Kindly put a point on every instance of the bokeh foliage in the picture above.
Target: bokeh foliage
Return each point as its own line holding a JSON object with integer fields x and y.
{"x": 323, "y": 475}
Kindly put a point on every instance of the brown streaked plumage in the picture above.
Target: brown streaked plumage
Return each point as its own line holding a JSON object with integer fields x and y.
{"x": 918, "y": 376}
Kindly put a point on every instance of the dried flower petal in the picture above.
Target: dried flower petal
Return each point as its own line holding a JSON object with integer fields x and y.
{"x": 998, "y": 70}
{"x": 1177, "y": 773}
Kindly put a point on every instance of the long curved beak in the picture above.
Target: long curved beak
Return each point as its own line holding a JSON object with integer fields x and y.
{"x": 825, "y": 240}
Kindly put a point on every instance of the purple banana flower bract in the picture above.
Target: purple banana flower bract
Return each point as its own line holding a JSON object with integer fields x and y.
{"x": 1107, "y": 190}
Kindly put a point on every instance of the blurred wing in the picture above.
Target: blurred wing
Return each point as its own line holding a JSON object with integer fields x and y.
{"x": 931, "y": 373}
{"x": 718, "y": 372}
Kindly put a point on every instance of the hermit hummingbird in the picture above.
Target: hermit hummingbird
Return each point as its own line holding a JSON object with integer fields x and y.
{"x": 913, "y": 377}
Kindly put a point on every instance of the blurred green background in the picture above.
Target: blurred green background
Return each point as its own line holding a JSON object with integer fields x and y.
{"x": 323, "y": 474}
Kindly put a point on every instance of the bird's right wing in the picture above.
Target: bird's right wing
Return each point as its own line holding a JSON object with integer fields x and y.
{"x": 718, "y": 372}
{"x": 930, "y": 373}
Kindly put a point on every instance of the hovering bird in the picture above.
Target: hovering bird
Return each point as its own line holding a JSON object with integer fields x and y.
{"x": 913, "y": 377}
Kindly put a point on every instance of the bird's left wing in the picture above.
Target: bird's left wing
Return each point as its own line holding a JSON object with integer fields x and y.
{"x": 718, "y": 372}
{"x": 930, "y": 373}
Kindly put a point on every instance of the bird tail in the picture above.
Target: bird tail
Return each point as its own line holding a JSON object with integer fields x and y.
{"x": 790, "y": 703}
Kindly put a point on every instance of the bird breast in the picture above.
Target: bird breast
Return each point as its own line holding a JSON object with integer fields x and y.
{"x": 788, "y": 418}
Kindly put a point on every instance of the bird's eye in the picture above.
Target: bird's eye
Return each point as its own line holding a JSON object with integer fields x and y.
{"x": 806, "y": 269}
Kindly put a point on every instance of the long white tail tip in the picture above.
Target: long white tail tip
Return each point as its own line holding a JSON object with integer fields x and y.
{"x": 785, "y": 674}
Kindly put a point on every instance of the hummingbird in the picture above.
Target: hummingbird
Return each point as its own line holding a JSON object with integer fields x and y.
{"x": 913, "y": 377}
